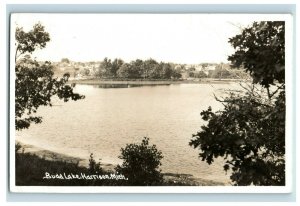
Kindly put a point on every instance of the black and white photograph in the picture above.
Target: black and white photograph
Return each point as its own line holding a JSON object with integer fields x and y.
{"x": 151, "y": 100}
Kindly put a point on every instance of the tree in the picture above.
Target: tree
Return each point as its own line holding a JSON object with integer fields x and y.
{"x": 192, "y": 69}
{"x": 125, "y": 71}
{"x": 137, "y": 67}
{"x": 176, "y": 74}
{"x": 148, "y": 69}
{"x": 151, "y": 69}
{"x": 249, "y": 132}
{"x": 30, "y": 41}
{"x": 260, "y": 49}
{"x": 141, "y": 164}
{"x": 94, "y": 167}
{"x": 115, "y": 66}
{"x": 201, "y": 74}
{"x": 105, "y": 67}
{"x": 221, "y": 73}
{"x": 85, "y": 72}
{"x": 65, "y": 60}
{"x": 191, "y": 74}
{"x": 166, "y": 71}
{"x": 34, "y": 82}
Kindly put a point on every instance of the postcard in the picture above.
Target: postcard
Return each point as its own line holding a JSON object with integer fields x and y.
{"x": 150, "y": 103}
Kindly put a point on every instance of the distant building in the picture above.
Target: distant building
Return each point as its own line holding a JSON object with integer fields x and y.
{"x": 209, "y": 69}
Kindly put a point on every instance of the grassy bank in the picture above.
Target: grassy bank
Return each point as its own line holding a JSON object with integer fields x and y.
{"x": 152, "y": 82}
{"x": 31, "y": 169}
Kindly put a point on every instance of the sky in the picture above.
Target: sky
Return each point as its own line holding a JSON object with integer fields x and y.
{"x": 178, "y": 38}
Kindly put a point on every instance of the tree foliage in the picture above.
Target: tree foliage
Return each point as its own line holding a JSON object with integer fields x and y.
{"x": 106, "y": 67}
{"x": 34, "y": 82}
{"x": 141, "y": 164}
{"x": 94, "y": 167}
{"x": 249, "y": 132}
{"x": 115, "y": 66}
{"x": 260, "y": 49}
{"x": 65, "y": 60}
{"x": 30, "y": 41}
{"x": 138, "y": 69}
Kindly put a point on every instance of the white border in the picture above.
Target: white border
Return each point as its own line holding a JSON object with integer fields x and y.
{"x": 172, "y": 189}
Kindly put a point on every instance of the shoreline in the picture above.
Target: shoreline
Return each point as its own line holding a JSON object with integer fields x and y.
{"x": 56, "y": 156}
{"x": 151, "y": 82}
{"x": 172, "y": 178}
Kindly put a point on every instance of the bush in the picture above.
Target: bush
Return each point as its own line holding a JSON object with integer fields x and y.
{"x": 141, "y": 164}
{"x": 94, "y": 168}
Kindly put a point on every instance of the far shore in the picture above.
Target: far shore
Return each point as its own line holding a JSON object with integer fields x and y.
{"x": 170, "y": 177}
{"x": 152, "y": 82}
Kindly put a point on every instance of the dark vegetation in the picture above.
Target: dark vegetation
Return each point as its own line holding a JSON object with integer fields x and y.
{"x": 31, "y": 169}
{"x": 34, "y": 81}
{"x": 119, "y": 70}
{"x": 249, "y": 132}
{"x": 138, "y": 69}
{"x": 140, "y": 166}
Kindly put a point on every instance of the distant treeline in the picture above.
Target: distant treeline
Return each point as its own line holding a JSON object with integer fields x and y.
{"x": 149, "y": 69}
{"x": 138, "y": 69}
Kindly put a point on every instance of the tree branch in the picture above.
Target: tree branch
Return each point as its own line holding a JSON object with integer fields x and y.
{"x": 17, "y": 49}
{"x": 278, "y": 88}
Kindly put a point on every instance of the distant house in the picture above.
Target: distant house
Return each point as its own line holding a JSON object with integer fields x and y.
{"x": 198, "y": 68}
{"x": 209, "y": 69}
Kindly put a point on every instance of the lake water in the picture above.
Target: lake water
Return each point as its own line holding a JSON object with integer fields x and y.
{"x": 109, "y": 118}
